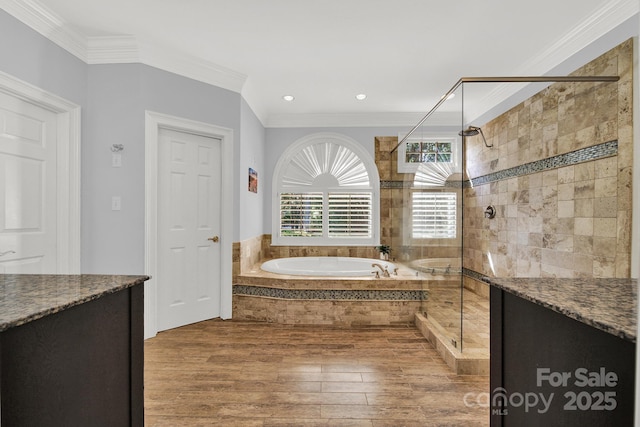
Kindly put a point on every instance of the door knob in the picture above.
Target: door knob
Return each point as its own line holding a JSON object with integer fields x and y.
{"x": 214, "y": 239}
{"x": 7, "y": 253}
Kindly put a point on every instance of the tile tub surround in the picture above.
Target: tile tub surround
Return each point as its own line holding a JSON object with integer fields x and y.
{"x": 336, "y": 301}
{"x": 25, "y": 298}
{"x": 248, "y": 253}
{"x": 606, "y": 304}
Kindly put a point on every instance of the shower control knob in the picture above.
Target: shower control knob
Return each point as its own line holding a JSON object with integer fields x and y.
{"x": 214, "y": 239}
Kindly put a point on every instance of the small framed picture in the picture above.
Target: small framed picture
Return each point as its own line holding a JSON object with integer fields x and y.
{"x": 253, "y": 180}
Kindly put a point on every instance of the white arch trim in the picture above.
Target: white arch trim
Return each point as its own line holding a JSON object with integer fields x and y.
{"x": 356, "y": 182}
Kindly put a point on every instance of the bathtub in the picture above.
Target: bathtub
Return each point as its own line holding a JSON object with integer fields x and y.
{"x": 326, "y": 266}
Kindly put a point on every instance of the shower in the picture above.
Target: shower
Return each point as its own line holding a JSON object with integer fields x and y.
{"x": 432, "y": 198}
{"x": 473, "y": 131}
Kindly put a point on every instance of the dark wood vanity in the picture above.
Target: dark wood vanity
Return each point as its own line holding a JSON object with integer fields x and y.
{"x": 71, "y": 350}
{"x": 563, "y": 352}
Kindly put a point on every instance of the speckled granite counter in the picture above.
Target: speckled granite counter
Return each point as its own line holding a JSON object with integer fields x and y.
{"x": 24, "y": 298}
{"x": 606, "y": 304}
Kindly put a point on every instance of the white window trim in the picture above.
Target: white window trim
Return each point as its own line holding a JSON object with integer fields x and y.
{"x": 374, "y": 188}
{"x": 406, "y": 167}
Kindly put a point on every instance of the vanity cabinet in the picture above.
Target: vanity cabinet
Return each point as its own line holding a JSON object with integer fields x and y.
{"x": 562, "y": 360}
{"x": 71, "y": 351}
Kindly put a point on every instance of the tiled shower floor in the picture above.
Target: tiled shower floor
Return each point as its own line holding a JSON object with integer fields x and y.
{"x": 443, "y": 311}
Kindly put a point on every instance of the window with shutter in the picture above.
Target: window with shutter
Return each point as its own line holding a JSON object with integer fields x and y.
{"x": 433, "y": 215}
{"x": 326, "y": 192}
{"x": 350, "y": 215}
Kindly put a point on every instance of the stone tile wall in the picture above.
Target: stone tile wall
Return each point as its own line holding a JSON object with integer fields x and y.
{"x": 395, "y": 199}
{"x": 323, "y": 312}
{"x": 568, "y": 219}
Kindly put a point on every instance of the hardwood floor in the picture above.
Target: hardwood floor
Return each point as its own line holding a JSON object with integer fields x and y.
{"x": 229, "y": 373}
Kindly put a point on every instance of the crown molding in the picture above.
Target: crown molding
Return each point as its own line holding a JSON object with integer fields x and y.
{"x": 112, "y": 50}
{"x": 42, "y": 20}
{"x": 118, "y": 49}
{"x": 609, "y": 16}
{"x": 191, "y": 67}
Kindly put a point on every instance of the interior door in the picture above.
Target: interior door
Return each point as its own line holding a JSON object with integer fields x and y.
{"x": 28, "y": 194}
{"x": 189, "y": 180}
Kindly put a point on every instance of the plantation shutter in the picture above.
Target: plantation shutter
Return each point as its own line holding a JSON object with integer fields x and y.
{"x": 301, "y": 214}
{"x": 433, "y": 215}
{"x": 350, "y": 214}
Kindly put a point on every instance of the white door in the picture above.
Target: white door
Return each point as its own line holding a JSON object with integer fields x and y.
{"x": 28, "y": 195}
{"x": 189, "y": 188}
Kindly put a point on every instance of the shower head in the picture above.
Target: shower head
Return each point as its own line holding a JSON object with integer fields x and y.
{"x": 470, "y": 131}
{"x": 473, "y": 131}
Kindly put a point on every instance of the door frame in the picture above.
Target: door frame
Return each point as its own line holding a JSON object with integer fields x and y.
{"x": 153, "y": 123}
{"x": 68, "y": 116}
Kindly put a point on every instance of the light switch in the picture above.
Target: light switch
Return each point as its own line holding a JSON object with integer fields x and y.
{"x": 116, "y": 203}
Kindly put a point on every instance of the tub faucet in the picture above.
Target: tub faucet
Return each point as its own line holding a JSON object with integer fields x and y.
{"x": 384, "y": 271}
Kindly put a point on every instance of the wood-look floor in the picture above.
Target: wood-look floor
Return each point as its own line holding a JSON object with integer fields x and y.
{"x": 229, "y": 373}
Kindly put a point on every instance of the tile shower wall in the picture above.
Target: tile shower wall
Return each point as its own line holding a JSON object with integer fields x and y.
{"x": 559, "y": 174}
{"x": 395, "y": 198}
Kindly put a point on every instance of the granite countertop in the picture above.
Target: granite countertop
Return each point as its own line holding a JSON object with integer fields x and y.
{"x": 606, "y": 304}
{"x": 26, "y": 297}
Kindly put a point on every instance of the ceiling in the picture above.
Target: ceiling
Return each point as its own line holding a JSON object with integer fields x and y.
{"x": 403, "y": 54}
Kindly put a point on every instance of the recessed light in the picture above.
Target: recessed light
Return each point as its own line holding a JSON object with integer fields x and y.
{"x": 361, "y": 96}
{"x": 288, "y": 98}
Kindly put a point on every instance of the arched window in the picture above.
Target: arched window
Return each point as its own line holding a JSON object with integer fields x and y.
{"x": 325, "y": 192}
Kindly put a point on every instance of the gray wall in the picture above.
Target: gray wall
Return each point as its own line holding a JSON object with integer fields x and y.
{"x": 118, "y": 95}
{"x": 28, "y": 56}
{"x": 113, "y": 100}
{"x": 113, "y": 241}
{"x": 249, "y": 207}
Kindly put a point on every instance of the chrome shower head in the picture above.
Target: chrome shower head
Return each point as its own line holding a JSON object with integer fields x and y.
{"x": 473, "y": 131}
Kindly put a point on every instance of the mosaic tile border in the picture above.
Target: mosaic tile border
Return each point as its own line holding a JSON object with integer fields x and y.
{"x": 331, "y": 295}
{"x": 595, "y": 152}
{"x": 474, "y": 274}
{"x": 393, "y": 185}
